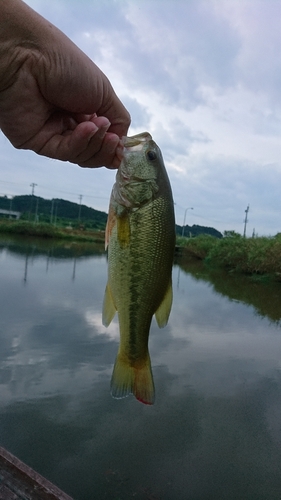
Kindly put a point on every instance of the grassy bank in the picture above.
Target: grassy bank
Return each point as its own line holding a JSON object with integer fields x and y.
{"x": 259, "y": 256}
{"x": 235, "y": 253}
{"x": 46, "y": 230}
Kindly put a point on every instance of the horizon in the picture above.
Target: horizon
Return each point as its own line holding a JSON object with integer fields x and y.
{"x": 106, "y": 212}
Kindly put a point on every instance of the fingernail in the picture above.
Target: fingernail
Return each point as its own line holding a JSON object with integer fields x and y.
{"x": 106, "y": 127}
{"x": 120, "y": 152}
{"x": 94, "y": 131}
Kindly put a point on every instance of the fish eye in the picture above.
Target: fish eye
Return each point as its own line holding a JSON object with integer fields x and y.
{"x": 151, "y": 155}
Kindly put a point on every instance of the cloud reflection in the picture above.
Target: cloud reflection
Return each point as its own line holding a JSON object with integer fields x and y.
{"x": 214, "y": 430}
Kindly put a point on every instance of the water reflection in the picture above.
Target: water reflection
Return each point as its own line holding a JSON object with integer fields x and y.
{"x": 214, "y": 431}
{"x": 257, "y": 291}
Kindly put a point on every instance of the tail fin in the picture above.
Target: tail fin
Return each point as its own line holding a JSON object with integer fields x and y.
{"x": 127, "y": 379}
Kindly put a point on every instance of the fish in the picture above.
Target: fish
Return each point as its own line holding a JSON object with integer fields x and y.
{"x": 140, "y": 238}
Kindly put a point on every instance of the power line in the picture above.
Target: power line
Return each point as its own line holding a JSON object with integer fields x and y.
{"x": 11, "y": 182}
{"x": 55, "y": 190}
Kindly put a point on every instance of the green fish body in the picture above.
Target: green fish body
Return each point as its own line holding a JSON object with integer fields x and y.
{"x": 140, "y": 235}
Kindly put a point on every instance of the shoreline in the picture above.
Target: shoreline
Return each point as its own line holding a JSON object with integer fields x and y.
{"x": 45, "y": 230}
{"x": 258, "y": 257}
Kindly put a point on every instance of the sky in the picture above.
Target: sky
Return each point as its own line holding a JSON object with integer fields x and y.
{"x": 203, "y": 77}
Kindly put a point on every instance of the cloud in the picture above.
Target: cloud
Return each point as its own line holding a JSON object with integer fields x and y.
{"x": 140, "y": 115}
{"x": 220, "y": 188}
{"x": 203, "y": 77}
{"x": 185, "y": 46}
{"x": 258, "y": 64}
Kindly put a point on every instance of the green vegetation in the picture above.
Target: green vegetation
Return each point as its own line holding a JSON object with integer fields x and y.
{"x": 65, "y": 214}
{"x": 195, "y": 230}
{"x": 58, "y": 212}
{"x": 45, "y": 230}
{"x": 62, "y": 219}
{"x": 259, "y": 256}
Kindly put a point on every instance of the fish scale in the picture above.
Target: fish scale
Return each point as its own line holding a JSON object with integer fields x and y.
{"x": 134, "y": 277}
{"x": 140, "y": 256}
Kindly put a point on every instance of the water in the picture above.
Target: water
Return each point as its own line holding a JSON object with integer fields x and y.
{"x": 214, "y": 432}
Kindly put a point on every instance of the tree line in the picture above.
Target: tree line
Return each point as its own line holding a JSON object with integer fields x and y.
{"x": 62, "y": 212}
{"x": 55, "y": 211}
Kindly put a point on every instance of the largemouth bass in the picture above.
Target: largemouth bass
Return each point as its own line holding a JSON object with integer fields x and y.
{"x": 140, "y": 235}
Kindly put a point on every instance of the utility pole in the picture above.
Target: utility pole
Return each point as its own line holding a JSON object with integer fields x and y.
{"x": 10, "y": 209}
{"x": 56, "y": 212}
{"x": 32, "y": 185}
{"x": 246, "y": 220}
{"x": 79, "y": 214}
{"x": 52, "y": 210}
{"x": 36, "y": 211}
{"x": 189, "y": 208}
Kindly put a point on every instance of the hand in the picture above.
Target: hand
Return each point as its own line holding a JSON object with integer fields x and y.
{"x": 53, "y": 99}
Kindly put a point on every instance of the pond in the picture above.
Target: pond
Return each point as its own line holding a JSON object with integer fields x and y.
{"x": 214, "y": 432}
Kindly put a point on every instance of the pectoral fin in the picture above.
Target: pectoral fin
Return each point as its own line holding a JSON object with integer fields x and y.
{"x": 163, "y": 312}
{"x": 108, "y": 309}
{"x": 111, "y": 221}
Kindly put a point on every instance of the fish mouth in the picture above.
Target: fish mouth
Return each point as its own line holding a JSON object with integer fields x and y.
{"x": 136, "y": 141}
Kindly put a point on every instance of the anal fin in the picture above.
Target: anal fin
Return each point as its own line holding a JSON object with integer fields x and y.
{"x": 163, "y": 312}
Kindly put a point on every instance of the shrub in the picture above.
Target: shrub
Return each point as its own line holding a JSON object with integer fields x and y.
{"x": 201, "y": 245}
{"x": 248, "y": 255}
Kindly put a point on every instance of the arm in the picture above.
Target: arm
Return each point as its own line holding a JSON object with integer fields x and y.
{"x": 53, "y": 99}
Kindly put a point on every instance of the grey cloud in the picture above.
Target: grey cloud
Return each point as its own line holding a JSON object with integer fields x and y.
{"x": 86, "y": 14}
{"x": 139, "y": 114}
{"x": 189, "y": 45}
{"x": 259, "y": 64}
{"x": 267, "y": 122}
{"x": 221, "y": 188}
{"x": 178, "y": 48}
{"x": 177, "y": 138}
{"x": 174, "y": 53}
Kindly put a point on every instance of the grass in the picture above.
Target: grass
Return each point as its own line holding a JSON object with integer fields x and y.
{"x": 45, "y": 230}
{"x": 260, "y": 256}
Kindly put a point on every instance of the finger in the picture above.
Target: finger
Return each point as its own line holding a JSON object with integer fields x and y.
{"x": 110, "y": 155}
{"x": 80, "y": 117}
{"x": 117, "y": 114}
{"x": 87, "y": 145}
{"x": 119, "y": 128}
